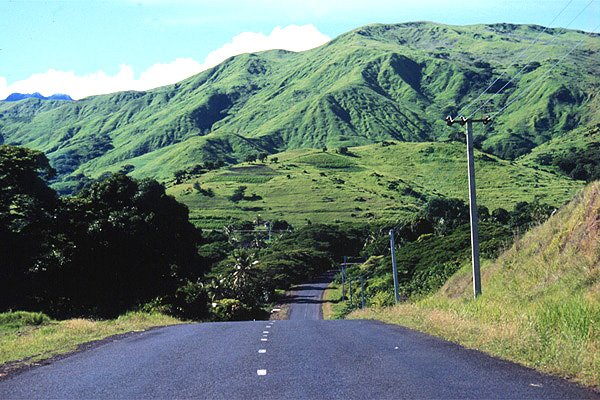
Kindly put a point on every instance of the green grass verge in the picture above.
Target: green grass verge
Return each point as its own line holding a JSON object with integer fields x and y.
{"x": 541, "y": 299}
{"x": 27, "y": 338}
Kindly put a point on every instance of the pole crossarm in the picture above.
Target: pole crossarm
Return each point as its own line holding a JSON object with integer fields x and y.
{"x": 462, "y": 120}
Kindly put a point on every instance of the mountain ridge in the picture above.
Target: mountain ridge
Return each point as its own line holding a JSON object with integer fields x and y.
{"x": 37, "y": 95}
{"x": 378, "y": 82}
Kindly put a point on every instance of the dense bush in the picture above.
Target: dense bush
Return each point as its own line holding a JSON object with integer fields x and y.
{"x": 118, "y": 244}
{"x": 578, "y": 163}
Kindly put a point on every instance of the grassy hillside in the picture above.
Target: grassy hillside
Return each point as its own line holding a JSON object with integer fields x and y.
{"x": 379, "y": 82}
{"x": 373, "y": 183}
{"x": 540, "y": 304}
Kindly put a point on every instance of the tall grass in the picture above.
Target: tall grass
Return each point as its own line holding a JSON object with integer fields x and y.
{"x": 541, "y": 298}
{"x": 27, "y": 337}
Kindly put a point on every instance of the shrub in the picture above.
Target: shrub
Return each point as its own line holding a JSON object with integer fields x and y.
{"x": 20, "y": 319}
{"x": 229, "y": 310}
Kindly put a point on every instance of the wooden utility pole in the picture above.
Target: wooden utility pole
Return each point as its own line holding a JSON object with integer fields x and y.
{"x": 394, "y": 271}
{"x": 343, "y": 275}
{"x": 472, "y": 198}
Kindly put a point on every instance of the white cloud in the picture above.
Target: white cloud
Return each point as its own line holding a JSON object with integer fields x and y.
{"x": 294, "y": 38}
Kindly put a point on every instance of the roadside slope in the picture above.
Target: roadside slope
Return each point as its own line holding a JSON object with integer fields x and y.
{"x": 541, "y": 298}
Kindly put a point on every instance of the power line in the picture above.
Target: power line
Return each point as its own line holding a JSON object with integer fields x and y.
{"x": 516, "y": 59}
{"x": 529, "y": 61}
{"x": 546, "y": 73}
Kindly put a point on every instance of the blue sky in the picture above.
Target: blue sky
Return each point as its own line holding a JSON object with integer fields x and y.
{"x": 85, "y": 47}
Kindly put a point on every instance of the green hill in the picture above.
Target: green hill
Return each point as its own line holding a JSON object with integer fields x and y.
{"x": 372, "y": 183}
{"x": 378, "y": 82}
{"x": 540, "y": 303}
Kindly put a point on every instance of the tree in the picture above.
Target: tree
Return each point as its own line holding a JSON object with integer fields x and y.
{"x": 446, "y": 214}
{"x": 179, "y": 176}
{"x": 250, "y": 158}
{"x": 274, "y": 160}
{"x": 115, "y": 240}
{"x": 238, "y": 194}
{"x": 27, "y": 206}
{"x": 501, "y": 216}
{"x": 263, "y": 157}
{"x": 343, "y": 150}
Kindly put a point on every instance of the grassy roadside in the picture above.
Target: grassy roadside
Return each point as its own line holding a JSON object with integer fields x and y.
{"x": 541, "y": 299}
{"x": 518, "y": 339}
{"x": 333, "y": 307}
{"x": 27, "y": 338}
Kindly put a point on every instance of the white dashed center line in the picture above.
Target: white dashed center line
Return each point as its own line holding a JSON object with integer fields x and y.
{"x": 263, "y": 339}
{"x": 262, "y": 351}
{"x": 265, "y": 331}
{"x": 261, "y": 372}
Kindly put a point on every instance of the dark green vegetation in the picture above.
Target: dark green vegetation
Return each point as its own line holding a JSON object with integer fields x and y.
{"x": 122, "y": 244}
{"x": 249, "y": 270}
{"x": 118, "y": 244}
{"x": 432, "y": 246}
{"x": 379, "y": 82}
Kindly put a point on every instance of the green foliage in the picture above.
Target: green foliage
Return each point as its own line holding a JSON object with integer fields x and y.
{"x": 27, "y": 209}
{"x": 64, "y": 255}
{"x": 526, "y": 215}
{"x": 238, "y": 194}
{"x": 343, "y": 150}
{"x": 191, "y": 301}
{"x": 20, "y": 319}
{"x": 445, "y": 214}
{"x": 578, "y": 163}
{"x": 230, "y": 310}
{"x": 425, "y": 263}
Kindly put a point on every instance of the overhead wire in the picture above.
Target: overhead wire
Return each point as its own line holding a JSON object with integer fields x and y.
{"x": 529, "y": 61}
{"x": 403, "y": 222}
{"x": 545, "y": 73}
{"x": 514, "y": 62}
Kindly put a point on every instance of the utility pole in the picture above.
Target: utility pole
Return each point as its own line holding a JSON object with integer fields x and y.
{"x": 350, "y": 289}
{"x": 472, "y": 197}
{"x": 362, "y": 291}
{"x": 395, "y": 272}
{"x": 343, "y": 273}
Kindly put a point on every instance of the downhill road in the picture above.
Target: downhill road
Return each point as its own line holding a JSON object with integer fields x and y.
{"x": 295, "y": 359}
{"x": 306, "y": 299}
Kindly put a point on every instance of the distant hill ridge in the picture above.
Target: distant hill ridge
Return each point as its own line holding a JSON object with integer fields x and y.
{"x": 375, "y": 83}
{"x": 37, "y": 95}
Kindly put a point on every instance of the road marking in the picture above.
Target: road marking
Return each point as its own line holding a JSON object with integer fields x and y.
{"x": 263, "y": 339}
{"x": 265, "y": 331}
{"x": 261, "y": 371}
{"x": 396, "y": 348}
{"x": 268, "y": 326}
{"x": 262, "y": 351}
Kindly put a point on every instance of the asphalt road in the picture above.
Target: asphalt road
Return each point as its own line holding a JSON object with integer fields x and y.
{"x": 293, "y": 359}
{"x": 306, "y": 299}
